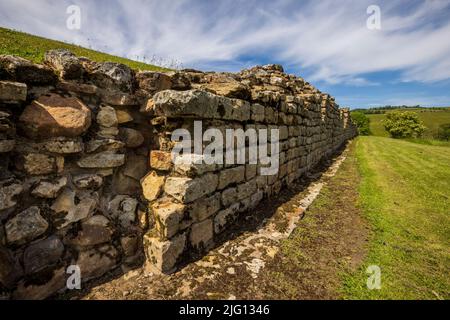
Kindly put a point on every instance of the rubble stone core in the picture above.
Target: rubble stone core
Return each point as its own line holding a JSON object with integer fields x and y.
{"x": 86, "y": 172}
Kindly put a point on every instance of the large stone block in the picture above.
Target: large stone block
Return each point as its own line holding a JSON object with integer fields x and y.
{"x": 26, "y": 226}
{"x": 205, "y": 207}
{"x": 161, "y": 160}
{"x": 53, "y": 116}
{"x": 168, "y": 216}
{"x": 192, "y": 103}
{"x": 42, "y": 254}
{"x": 152, "y": 185}
{"x": 201, "y": 236}
{"x": 187, "y": 190}
{"x": 96, "y": 262}
{"x": 102, "y": 160}
{"x": 65, "y": 63}
{"x": 164, "y": 255}
{"x": 22, "y": 70}
{"x": 12, "y": 92}
{"x": 231, "y": 176}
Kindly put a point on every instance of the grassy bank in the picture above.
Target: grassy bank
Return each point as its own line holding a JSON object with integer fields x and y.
{"x": 405, "y": 196}
{"x": 33, "y": 48}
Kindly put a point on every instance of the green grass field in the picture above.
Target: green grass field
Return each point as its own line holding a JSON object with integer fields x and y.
{"x": 33, "y": 48}
{"x": 405, "y": 196}
{"x": 432, "y": 119}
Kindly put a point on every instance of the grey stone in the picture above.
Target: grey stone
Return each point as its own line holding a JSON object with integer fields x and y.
{"x": 7, "y": 194}
{"x": 102, "y": 160}
{"x": 187, "y": 190}
{"x": 49, "y": 190}
{"x": 65, "y": 204}
{"x": 63, "y": 145}
{"x": 94, "y": 230}
{"x": 42, "y": 254}
{"x": 96, "y": 262}
{"x": 201, "y": 236}
{"x": 26, "y": 226}
{"x": 107, "y": 117}
{"x": 88, "y": 181}
{"x": 65, "y": 62}
{"x": 131, "y": 137}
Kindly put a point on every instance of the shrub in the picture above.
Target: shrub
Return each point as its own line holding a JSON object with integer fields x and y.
{"x": 444, "y": 132}
{"x": 403, "y": 125}
{"x": 362, "y": 122}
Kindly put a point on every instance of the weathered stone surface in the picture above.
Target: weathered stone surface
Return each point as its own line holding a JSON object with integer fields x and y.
{"x": 27, "y": 291}
{"x": 107, "y": 117}
{"x": 26, "y": 226}
{"x": 230, "y": 196}
{"x": 179, "y": 80}
{"x": 7, "y": 195}
{"x": 201, "y": 236}
{"x": 65, "y": 63}
{"x": 192, "y": 103}
{"x": 42, "y": 254}
{"x": 164, "y": 255}
{"x": 53, "y": 116}
{"x": 135, "y": 167}
{"x": 111, "y": 75}
{"x": 7, "y": 145}
{"x": 226, "y": 85}
{"x": 107, "y": 133}
{"x": 230, "y": 176}
{"x": 22, "y": 70}
{"x": 77, "y": 88}
{"x": 131, "y": 137}
{"x": 125, "y": 185}
{"x": 160, "y": 160}
{"x": 12, "y": 92}
{"x": 104, "y": 145}
{"x": 123, "y": 116}
{"x": 152, "y": 185}
{"x": 39, "y": 164}
{"x": 49, "y": 190}
{"x": 102, "y": 160}
{"x": 123, "y": 208}
{"x": 205, "y": 207}
{"x": 168, "y": 217}
{"x": 153, "y": 82}
{"x": 72, "y": 212}
{"x": 88, "y": 181}
{"x": 193, "y": 165}
{"x": 95, "y": 230}
{"x": 115, "y": 98}
{"x": 63, "y": 145}
{"x": 257, "y": 112}
{"x": 96, "y": 262}
{"x": 187, "y": 190}
{"x": 130, "y": 245}
{"x": 225, "y": 217}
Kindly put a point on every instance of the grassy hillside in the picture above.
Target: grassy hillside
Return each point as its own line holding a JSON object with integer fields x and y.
{"x": 431, "y": 118}
{"x": 404, "y": 194}
{"x": 33, "y": 48}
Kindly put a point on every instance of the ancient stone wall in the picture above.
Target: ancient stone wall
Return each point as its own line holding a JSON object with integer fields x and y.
{"x": 86, "y": 173}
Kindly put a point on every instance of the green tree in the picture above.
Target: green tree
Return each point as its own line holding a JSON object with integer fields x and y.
{"x": 362, "y": 122}
{"x": 403, "y": 124}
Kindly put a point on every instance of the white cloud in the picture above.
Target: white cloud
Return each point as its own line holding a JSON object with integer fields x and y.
{"x": 327, "y": 38}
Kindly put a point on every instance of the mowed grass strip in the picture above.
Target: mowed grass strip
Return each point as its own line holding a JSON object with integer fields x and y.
{"x": 405, "y": 195}
{"x": 33, "y": 48}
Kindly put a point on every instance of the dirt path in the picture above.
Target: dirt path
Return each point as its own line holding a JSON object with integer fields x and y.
{"x": 295, "y": 249}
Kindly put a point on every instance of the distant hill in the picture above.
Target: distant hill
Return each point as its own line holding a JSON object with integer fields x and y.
{"x": 33, "y": 48}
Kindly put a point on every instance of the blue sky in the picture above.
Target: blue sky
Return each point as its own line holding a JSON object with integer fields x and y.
{"x": 326, "y": 42}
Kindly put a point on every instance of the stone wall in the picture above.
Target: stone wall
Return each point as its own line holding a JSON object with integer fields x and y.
{"x": 86, "y": 173}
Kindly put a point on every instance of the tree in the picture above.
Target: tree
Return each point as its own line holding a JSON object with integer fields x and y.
{"x": 403, "y": 125}
{"x": 362, "y": 122}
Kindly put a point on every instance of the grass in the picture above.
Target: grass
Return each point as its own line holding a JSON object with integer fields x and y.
{"x": 405, "y": 196}
{"x": 432, "y": 119}
{"x": 33, "y": 48}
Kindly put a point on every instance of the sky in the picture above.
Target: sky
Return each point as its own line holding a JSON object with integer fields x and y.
{"x": 332, "y": 44}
